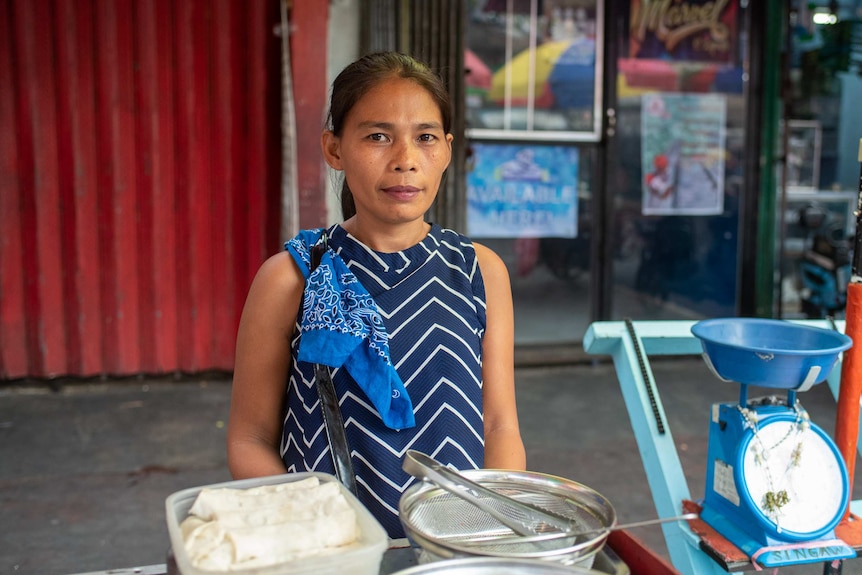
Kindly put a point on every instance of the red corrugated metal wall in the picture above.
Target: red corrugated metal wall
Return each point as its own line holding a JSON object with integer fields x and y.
{"x": 139, "y": 181}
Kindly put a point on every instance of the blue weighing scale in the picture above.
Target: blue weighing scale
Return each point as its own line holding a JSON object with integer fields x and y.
{"x": 776, "y": 484}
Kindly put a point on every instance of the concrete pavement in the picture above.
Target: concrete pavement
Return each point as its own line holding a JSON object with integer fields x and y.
{"x": 86, "y": 467}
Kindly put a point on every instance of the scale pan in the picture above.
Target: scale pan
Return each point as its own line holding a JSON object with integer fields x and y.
{"x": 769, "y": 352}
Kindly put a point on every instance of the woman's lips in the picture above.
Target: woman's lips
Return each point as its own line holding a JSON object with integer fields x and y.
{"x": 401, "y": 192}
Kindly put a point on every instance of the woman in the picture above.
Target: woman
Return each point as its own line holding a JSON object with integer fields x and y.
{"x": 434, "y": 367}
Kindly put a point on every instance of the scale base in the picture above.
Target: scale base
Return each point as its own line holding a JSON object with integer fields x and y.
{"x": 779, "y": 553}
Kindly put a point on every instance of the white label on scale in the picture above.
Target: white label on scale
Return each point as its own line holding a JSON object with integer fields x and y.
{"x": 722, "y": 481}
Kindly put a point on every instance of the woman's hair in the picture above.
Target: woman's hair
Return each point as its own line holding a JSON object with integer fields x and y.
{"x": 364, "y": 74}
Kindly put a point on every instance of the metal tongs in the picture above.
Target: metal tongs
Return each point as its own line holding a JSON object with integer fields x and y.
{"x": 529, "y": 522}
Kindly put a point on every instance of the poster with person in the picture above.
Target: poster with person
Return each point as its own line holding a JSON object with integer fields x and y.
{"x": 683, "y": 146}
{"x": 522, "y": 191}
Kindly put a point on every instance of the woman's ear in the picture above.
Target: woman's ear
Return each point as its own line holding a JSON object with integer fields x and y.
{"x": 449, "y": 139}
{"x": 331, "y": 146}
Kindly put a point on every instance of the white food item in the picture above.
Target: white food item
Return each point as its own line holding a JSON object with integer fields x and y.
{"x": 234, "y": 529}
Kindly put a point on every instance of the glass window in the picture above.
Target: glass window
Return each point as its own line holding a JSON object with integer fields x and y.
{"x": 817, "y": 185}
{"x": 532, "y": 70}
{"x": 533, "y": 104}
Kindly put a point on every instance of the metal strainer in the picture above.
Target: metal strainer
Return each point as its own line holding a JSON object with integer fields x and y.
{"x": 447, "y": 526}
{"x": 519, "y": 516}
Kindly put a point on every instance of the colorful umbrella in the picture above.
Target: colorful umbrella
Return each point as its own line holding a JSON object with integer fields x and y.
{"x": 651, "y": 75}
{"x": 478, "y": 73}
{"x": 563, "y": 75}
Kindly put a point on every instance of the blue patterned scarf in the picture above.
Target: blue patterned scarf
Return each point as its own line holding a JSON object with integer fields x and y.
{"x": 341, "y": 327}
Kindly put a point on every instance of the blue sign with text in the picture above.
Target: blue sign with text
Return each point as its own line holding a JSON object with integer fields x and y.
{"x": 516, "y": 191}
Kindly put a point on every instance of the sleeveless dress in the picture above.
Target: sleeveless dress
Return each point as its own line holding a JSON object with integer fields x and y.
{"x": 431, "y": 297}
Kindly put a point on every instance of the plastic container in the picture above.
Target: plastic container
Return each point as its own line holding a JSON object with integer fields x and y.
{"x": 769, "y": 352}
{"x": 364, "y": 559}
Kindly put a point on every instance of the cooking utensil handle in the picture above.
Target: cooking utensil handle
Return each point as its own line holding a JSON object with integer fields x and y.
{"x": 551, "y": 536}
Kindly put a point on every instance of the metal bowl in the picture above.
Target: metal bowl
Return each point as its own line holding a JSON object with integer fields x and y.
{"x": 440, "y": 523}
{"x": 495, "y": 566}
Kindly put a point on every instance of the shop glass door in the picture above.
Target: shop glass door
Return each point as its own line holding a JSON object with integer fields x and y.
{"x": 675, "y": 161}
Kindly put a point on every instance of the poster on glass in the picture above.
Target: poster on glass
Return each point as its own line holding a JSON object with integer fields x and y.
{"x": 683, "y": 153}
{"x": 522, "y": 191}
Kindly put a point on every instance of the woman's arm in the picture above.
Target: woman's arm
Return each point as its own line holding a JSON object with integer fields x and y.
{"x": 504, "y": 448}
{"x": 261, "y": 367}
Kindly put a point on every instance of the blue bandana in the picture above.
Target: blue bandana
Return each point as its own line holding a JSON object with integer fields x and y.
{"x": 341, "y": 326}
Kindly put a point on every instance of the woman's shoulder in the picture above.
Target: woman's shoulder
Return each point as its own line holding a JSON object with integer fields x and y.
{"x": 288, "y": 268}
{"x": 470, "y": 248}
{"x": 482, "y": 264}
{"x": 299, "y": 248}
{"x": 279, "y": 271}
{"x": 490, "y": 263}
{"x": 454, "y": 241}
{"x": 450, "y": 234}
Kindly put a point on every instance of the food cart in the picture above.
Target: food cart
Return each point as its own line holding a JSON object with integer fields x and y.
{"x": 623, "y": 555}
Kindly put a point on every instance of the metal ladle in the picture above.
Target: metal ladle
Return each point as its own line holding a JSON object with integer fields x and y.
{"x": 529, "y": 522}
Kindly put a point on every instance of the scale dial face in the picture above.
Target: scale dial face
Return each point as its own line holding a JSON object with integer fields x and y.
{"x": 794, "y": 478}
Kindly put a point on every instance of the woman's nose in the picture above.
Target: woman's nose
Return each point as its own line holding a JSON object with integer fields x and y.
{"x": 404, "y": 157}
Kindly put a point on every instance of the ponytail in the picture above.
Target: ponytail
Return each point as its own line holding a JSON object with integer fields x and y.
{"x": 348, "y": 207}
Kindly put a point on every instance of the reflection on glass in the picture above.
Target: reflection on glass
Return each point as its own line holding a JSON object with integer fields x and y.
{"x": 531, "y": 66}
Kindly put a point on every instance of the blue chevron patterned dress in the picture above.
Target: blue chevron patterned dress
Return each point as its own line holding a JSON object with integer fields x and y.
{"x": 432, "y": 300}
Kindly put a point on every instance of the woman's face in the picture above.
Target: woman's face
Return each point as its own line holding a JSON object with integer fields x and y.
{"x": 393, "y": 152}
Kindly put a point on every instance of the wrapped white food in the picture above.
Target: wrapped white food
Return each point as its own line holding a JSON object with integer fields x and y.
{"x": 210, "y": 501}
{"x": 232, "y": 529}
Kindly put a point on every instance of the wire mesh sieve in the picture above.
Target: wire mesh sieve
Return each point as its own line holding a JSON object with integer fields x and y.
{"x": 516, "y": 514}
{"x": 447, "y": 526}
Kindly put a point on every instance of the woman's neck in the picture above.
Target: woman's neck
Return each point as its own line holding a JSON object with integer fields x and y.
{"x": 388, "y": 239}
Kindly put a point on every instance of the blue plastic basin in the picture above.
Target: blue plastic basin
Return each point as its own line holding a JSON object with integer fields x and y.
{"x": 769, "y": 352}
